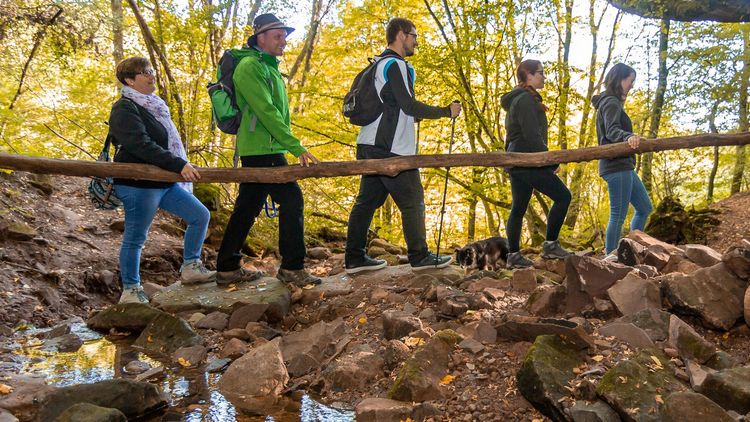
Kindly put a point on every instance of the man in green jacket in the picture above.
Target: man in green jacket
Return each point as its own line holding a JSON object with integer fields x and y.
{"x": 263, "y": 138}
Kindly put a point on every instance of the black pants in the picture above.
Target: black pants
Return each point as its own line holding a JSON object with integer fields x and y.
{"x": 523, "y": 181}
{"x": 408, "y": 194}
{"x": 249, "y": 203}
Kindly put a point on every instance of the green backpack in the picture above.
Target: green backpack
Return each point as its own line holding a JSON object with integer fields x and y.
{"x": 226, "y": 115}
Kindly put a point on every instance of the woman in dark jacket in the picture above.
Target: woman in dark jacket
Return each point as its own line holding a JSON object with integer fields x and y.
{"x": 625, "y": 187}
{"x": 526, "y": 126}
{"x": 141, "y": 126}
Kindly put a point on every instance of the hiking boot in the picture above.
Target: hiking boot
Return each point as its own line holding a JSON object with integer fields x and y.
{"x": 365, "y": 264}
{"x": 240, "y": 275}
{"x": 516, "y": 260}
{"x": 432, "y": 261}
{"x": 195, "y": 273}
{"x": 133, "y": 295}
{"x": 299, "y": 278}
{"x": 551, "y": 249}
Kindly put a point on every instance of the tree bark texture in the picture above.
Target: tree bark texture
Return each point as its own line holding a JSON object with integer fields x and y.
{"x": 117, "y": 31}
{"x": 715, "y": 166}
{"x": 388, "y": 167}
{"x": 661, "y": 89}
{"x": 738, "y": 171}
{"x": 688, "y": 10}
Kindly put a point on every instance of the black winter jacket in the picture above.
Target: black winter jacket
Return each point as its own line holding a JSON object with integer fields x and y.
{"x": 525, "y": 122}
{"x": 612, "y": 125}
{"x": 142, "y": 140}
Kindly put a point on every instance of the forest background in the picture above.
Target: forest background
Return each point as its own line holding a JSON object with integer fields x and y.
{"x": 57, "y": 59}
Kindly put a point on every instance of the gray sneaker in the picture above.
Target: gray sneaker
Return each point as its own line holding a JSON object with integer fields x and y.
{"x": 240, "y": 275}
{"x": 133, "y": 295}
{"x": 516, "y": 260}
{"x": 195, "y": 273}
{"x": 551, "y": 249}
{"x": 299, "y": 278}
{"x": 432, "y": 261}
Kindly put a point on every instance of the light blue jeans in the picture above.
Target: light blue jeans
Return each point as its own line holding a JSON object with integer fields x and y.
{"x": 625, "y": 187}
{"x": 140, "y": 206}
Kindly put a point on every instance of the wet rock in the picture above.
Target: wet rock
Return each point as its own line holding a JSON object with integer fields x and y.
{"x": 339, "y": 285}
{"x": 264, "y": 365}
{"x": 319, "y": 253}
{"x": 123, "y": 317}
{"x": 136, "y": 367}
{"x": 729, "y": 388}
{"x": 395, "y": 352}
{"x": 213, "y": 321}
{"x": 588, "y": 278}
{"x": 524, "y": 328}
{"x": 654, "y": 322}
{"x": 247, "y": 313}
{"x": 217, "y": 365}
{"x": 382, "y": 410}
{"x": 132, "y": 398}
{"x": 547, "y": 301}
{"x": 471, "y": 345}
{"x": 686, "y": 405}
{"x": 481, "y": 331}
{"x": 262, "y": 330}
{"x": 688, "y": 343}
{"x": 209, "y": 297}
{"x": 737, "y": 259}
{"x": 239, "y": 333}
{"x": 635, "y": 386}
{"x": 165, "y": 334}
{"x": 305, "y": 350}
{"x": 714, "y": 294}
{"x": 524, "y": 280}
{"x": 629, "y": 333}
{"x": 57, "y": 331}
{"x": 702, "y": 255}
{"x": 397, "y": 324}
{"x": 597, "y": 411}
{"x": 630, "y": 252}
{"x": 234, "y": 349}
{"x": 353, "y": 372}
{"x": 632, "y": 294}
{"x": 66, "y": 343}
{"x": 18, "y": 230}
{"x": 191, "y": 356}
{"x": 86, "y": 412}
{"x": 419, "y": 379}
{"x": 151, "y": 375}
{"x": 697, "y": 374}
{"x": 545, "y": 373}
{"x": 28, "y": 392}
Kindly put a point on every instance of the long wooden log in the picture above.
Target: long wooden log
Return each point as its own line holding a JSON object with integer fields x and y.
{"x": 388, "y": 167}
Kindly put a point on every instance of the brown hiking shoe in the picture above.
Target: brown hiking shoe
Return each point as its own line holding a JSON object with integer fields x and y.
{"x": 299, "y": 278}
{"x": 240, "y": 275}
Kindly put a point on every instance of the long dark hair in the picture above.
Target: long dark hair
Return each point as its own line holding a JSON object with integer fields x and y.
{"x": 614, "y": 78}
{"x": 524, "y": 69}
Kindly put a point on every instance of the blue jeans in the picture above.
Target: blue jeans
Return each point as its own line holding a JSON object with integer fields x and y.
{"x": 140, "y": 206}
{"x": 625, "y": 187}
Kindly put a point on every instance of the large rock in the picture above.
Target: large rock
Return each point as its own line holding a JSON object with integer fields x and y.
{"x": 338, "y": 285}
{"x": 165, "y": 334}
{"x": 133, "y": 399}
{"x": 86, "y": 412}
{"x": 714, "y": 294}
{"x": 18, "y": 230}
{"x": 547, "y": 301}
{"x": 481, "y": 331}
{"x": 630, "y": 252}
{"x": 702, "y": 255}
{"x": 209, "y": 297}
{"x": 419, "y": 379}
{"x": 588, "y": 278}
{"x": 254, "y": 383}
{"x": 66, "y": 343}
{"x": 545, "y": 374}
{"x": 737, "y": 259}
{"x": 689, "y": 343}
{"x": 397, "y": 324}
{"x": 124, "y": 317}
{"x": 635, "y": 387}
{"x": 687, "y": 405}
{"x": 729, "y": 388}
{"x": 629, "y": 333}
{"x": 28, "y": 392}
{"x": 306, "y": 350}
{"x": 523, "y": 328}
{"x": 654, "y": 322}
{"x": 632, "y": 294}
{"x": 243, "y": 314}
{"x": 382, "y": 410}
{"x": 597, "y": 411}
{"x": 213, "y": 321}
{"x": 353, "y": 372}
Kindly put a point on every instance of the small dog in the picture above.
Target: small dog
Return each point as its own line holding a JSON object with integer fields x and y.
{"x": 488, "y": 254}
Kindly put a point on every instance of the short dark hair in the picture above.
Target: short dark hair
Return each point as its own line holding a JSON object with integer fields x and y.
{"x": 526, "y": 68}
{"x": 397, "y": 25}
{"x": 614, "y": 78}
{"x": 128, "y": 68}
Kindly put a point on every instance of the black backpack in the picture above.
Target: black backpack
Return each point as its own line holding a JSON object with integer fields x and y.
{"x": 226, "y": 115}
{"x": 362, "y": 104}
{"x": 101, "y": 189}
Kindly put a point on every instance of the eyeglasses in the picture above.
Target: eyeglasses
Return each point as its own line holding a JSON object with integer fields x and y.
{"x": 413, "y": 34}
{"x": 147, "y": 72}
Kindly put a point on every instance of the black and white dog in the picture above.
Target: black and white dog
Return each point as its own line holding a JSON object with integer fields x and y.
{"x": 488, "y": 254}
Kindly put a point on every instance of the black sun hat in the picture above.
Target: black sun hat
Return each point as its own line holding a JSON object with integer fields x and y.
{"x": 266, "y": 22}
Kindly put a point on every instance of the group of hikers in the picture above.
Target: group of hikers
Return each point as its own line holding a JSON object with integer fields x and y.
{"x": 141, "y": 127}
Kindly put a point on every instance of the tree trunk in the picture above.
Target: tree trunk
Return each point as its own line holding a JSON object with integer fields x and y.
{"x": 661, "y": 89}
{"x": 715, "y": 167}
{"x": 739, "y": 163}
{"x": 254, "y": 8}
{"x": 564, "y": 91}
{"x": 117, "y": 31}
{"x": 491, "y": 225}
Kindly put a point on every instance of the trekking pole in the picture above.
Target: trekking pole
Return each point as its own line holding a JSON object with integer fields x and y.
{"x": 445, "y": 189}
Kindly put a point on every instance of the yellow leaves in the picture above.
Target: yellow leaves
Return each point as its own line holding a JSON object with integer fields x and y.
{"x": 658, "y": 399}
{"x": 5, "y": 389}
{"x": 623, "y": 380}
{"x": 309, "y": 286}
{"x": 446, "y": 380}
{"x": 149, "y": 339}
{"x": 184, "y": 362}
{"x": 232, "y": 287}
{"x": 597, "y": 358}
{"x": 414, "y": 341}
{"x": 657, "y": 362}
{"x": 362, "y": 320}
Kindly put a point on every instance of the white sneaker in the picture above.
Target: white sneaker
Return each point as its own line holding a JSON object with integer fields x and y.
{"x": 195, "y": 273}
{"x": 134, "y": 295}
{"x": 612, "y": 257}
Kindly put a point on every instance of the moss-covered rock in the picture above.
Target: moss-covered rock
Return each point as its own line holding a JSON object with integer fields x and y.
{"x": 546, "y": 371}
{"x": 130, "y": 317}
{"x": 729, "y": 388}
{"x": 209, "y": 194}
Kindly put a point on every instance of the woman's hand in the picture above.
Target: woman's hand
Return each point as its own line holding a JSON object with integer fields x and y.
{"x": 189, "y": 173}
{"x": 634, "y": 140}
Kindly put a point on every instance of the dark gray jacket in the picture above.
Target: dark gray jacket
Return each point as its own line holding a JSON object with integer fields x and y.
{"x": 525, "y": 122}
{"x": 612, "y": 125}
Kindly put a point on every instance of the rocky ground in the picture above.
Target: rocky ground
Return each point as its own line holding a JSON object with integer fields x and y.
{"x": 660, "y": 336}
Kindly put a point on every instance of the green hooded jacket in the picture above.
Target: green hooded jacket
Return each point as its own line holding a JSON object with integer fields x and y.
{"x": 265, "y": 127}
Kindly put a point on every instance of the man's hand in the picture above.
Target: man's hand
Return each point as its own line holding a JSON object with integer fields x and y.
{"x": 307, "y": 159}
{"x": 189, "y": 173}
{"x": 455, "y": 109}
{"x": 634, "y": 141}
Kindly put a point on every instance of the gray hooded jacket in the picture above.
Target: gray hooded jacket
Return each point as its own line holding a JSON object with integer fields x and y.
{"x": 612, "y": 125}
